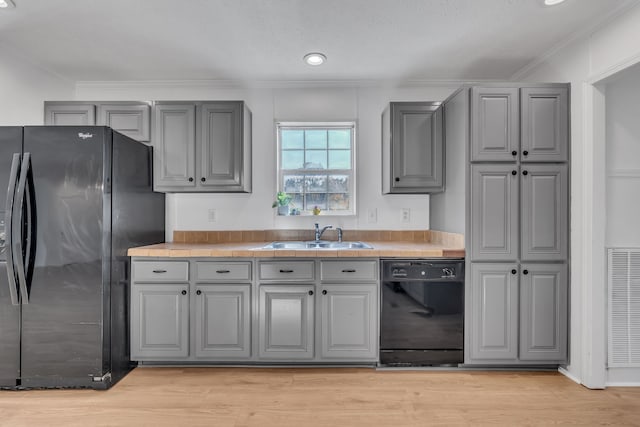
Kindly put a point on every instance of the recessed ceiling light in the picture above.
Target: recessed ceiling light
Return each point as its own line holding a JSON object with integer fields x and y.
{"x": 552, "y": 2}
{"x": 4, "y": 4}
{"x": 313, "y": 58}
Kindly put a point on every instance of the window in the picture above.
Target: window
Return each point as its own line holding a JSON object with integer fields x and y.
{"x": 316, "y": 166}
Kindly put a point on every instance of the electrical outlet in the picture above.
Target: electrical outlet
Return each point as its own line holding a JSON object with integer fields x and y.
{"x": 372, "y": 215}
{"x": 405, "y": 215}
{"x": 212, "y": 215}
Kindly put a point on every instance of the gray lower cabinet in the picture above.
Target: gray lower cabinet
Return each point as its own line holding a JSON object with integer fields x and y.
{"x": 518, "y": 313}
{"x": 286, "y": 319}
{"x": 218, "y": 134}
{"x": 348, "y": 319}
{"x": 494, "y": 311}
{"x": 543, "y": 312}
{"x": 131, "y": 118}
{"x": 222, "y": 321}
{"x": 160, "y": 321}
{"x": 412, "y": 147}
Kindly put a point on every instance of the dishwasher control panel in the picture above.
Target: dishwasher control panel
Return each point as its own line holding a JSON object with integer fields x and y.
{"x": 449, "y": 269}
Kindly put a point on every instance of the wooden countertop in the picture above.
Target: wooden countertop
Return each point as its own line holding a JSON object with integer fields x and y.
{"x": 254, "y": 250}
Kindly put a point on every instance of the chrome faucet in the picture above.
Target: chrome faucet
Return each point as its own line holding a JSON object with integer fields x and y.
{"x": 339, "y": 230}
{"x": 319, "y": 232}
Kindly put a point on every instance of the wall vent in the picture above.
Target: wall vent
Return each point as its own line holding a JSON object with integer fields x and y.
{"x": 624, "y": 307}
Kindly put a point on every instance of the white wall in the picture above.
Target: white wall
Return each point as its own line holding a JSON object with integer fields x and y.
{"x": 604, "y": 50}
{"x": 287, "y": 102}
{"x": 23, "y": 89}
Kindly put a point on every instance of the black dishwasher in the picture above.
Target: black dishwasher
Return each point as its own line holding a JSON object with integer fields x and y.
{"x": 422, "y": 312}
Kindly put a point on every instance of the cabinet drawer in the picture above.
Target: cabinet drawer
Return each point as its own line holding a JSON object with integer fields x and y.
{"x": 287, "y": 270}
{"x": 348, "y": 271}
{"x": 160, "y": 271}
{"x": 223, "y": 271}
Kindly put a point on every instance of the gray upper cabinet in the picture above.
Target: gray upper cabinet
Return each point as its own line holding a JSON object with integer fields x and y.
{"x": 159, "y": 321}
{"x": 218, "y": 134}
{"x": 412, "y": 158}
{"x": 495, "y": 218}
{"x": 222, "y": 321}
{"x": 545, "y": 212}
{"x": 174, "y": 146}
{"x": 286, "y": 319}
{"x": 543, "y": 312}
{"x": 545, "y": 124}
{"x": 348, "y": 321}
{"x": 494, "y": 312}
{"x": 132, "y": 120}
{"x": 69, "y": 113}
{"x": 494, "y": 124}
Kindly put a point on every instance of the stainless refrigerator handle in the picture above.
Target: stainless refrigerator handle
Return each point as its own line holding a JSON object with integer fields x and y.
{"x": 13, "y": 288}
{"x": 17, "y": 230}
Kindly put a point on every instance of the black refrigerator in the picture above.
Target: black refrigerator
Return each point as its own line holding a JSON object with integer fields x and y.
{"x": 73, "y": 199}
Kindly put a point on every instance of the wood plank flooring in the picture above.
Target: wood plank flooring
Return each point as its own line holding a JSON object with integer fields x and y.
{"x": 325, "y": 397}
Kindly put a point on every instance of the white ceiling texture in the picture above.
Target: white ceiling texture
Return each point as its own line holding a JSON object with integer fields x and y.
{"x": 265, "y": 40}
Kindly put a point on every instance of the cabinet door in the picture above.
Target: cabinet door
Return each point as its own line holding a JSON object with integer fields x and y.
{"x": 174, "y": 146}
{"x": 543, "y": 312}
{"x": 286, "y": 321}
{"x": 494, "y": 124}
{"x": 494, "y": 309}
{"x": 348, "y": 321}
{"x": 159, "y": 321}
{"x": 221, "y": 145}
{"x": 545, "y": 222}
{"x": 69, "y": 114}
{"x": 417, "y": 160}
{"x": 130, "y": 120}
{"x": 494, "y": 207}
{"x": 222, "y": 321}
{"x": 545, "y": 124}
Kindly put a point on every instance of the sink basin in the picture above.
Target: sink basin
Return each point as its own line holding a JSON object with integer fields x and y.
{"x": 320, "y": 244}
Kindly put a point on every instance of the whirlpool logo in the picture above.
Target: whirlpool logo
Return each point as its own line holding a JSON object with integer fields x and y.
{"x": 85, "y": 135}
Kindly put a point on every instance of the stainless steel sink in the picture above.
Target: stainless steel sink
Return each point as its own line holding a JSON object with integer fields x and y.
{"x": 320, "y": 244}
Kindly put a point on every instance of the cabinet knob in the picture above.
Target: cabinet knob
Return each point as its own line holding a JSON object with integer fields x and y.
{"x": 190, "y": 179}
{"x": 514, "y": 172}
{"x": 525, "y": 153}
{"x": 514, "y": 271}
{"x": 310, "y": 292}
{"x": 525, "y": 173}
{"x": 183, "y": 292}
{"x": 203, "y": 179}
{"x": 397, "y": 179}
{"x": 514, "y": 153}
{"x": 324, "y": 292}
{"x": 525, "y": 271}
{"x": 198, "y": 292}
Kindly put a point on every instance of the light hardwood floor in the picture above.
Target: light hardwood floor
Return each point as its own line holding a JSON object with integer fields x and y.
{"x": 325, "y": 397}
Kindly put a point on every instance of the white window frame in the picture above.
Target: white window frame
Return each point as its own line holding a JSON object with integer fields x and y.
{"x": 350, "y": 172}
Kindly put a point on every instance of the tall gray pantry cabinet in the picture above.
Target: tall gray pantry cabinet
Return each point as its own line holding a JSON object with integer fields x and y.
{"x": 513, "y": 142}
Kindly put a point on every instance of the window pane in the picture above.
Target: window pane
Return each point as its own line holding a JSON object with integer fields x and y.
{"x": 293, "y": 183}
{"x": 316, "y": 184}
{"x": 316, "y": 139}
{"x": 339, "y": 183}
{"x": 339, "y": 159}
{"x": 340, "y": 138}
{"x": 292, "y": 159}
{"x": 316, "y": 199}
{"x": 339, "y": 202}
{"x": 292, "y": 138}
{"x": 296, "y": 201}
{"x": 316, "y": 159}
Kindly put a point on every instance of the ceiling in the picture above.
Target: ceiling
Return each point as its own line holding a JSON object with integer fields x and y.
{"x": 265, "y": 40}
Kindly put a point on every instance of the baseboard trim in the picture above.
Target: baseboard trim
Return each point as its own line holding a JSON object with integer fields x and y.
{"x": 569, "y": 375}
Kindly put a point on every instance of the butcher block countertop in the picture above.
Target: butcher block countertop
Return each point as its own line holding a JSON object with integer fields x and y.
{"x": 395, "y": 244}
